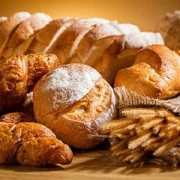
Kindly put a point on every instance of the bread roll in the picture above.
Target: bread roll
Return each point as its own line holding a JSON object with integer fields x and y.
{"x": 73, "y": 101}
{"x": 155, "y": 73}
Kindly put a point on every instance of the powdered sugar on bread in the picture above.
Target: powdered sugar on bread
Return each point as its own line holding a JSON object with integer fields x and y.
{"x": 67, "y": 85}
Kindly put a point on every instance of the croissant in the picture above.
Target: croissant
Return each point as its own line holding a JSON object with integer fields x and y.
{"x": 31, "y": 144}
{"x": 155, "y": 73}
{"x": 19, "y": 74}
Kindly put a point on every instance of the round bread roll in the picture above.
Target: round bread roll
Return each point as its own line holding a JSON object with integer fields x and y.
{"x": 73, "y": 101}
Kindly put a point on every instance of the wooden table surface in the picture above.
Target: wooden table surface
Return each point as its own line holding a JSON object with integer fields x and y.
{"x": 89, "y": 166}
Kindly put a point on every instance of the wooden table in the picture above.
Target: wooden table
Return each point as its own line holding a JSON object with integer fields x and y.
{"x": 89, "y": 166}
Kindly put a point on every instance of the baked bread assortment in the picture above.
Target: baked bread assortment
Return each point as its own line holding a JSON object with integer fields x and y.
{"x": 94, "y": 41}
{"x": 73, "y": 101}
{"x": 154, "y": 73}
{"x": 19, "y": 74}
{"x": 67, "y": 66}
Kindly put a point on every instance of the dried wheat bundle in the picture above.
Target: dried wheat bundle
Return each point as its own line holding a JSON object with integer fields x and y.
{"x": 127, "y": 98}
{"x": 145, "y": 135}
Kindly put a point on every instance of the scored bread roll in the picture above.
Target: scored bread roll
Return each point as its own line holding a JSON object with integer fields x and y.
{"x": 73, "y": 101}
{"x": 155, "y": 73}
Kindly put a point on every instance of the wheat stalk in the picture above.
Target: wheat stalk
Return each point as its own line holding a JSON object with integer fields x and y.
{"x": 146, "y": 135}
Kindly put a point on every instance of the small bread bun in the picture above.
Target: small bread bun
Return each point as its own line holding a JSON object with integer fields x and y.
{"x": 155, "y": 73}
{"x": 73, "y": 101}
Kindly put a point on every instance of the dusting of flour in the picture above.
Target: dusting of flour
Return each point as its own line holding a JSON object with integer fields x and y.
{"x": 68, "y": 84}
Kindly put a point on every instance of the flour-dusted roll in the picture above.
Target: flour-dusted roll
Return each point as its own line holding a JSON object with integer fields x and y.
{"x": 73, "y": 101}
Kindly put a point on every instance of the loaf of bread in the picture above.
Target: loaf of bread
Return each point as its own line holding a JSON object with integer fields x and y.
{"x": 19, "y": 74}
{"x": 73, "y": 101}
{"x": 94, "y": 41}
{"x": 155, "y": 73}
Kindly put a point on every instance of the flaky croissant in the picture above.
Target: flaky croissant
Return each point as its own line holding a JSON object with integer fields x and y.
{"x": 19, "y": 74}
{"x": 155, "y": 73}
{"x": 31, "y": 144}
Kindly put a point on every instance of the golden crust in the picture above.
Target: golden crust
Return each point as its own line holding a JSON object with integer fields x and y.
{"x": 18, "y": 76}
{"x": 13, "y": 82}
{"x": 78, "y": 123}
{"x": 31, "y": 144}
{"x": 16, "y": 117}
{"x": 44, "y": 151}
{"x": 154, "y": 73}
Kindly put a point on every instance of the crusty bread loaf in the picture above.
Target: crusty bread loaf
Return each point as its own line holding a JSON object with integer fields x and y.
{"x": 7, "y": 26}
{"x": 27, "y": 28}
{"x": 154, "y": 73}
{"x": 73, "y": 100}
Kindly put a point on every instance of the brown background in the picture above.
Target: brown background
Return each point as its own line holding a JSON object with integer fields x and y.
{"x": 144, "y": 13}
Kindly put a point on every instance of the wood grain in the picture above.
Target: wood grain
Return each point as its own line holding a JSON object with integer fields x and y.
{"x": 89, "y": 165}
